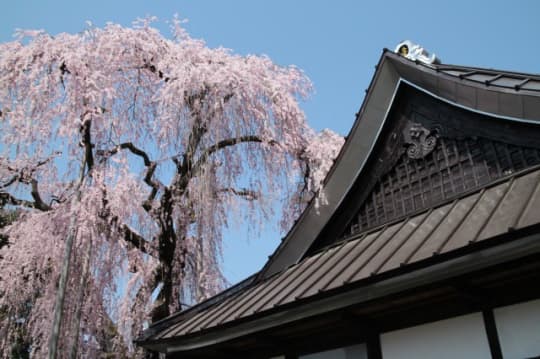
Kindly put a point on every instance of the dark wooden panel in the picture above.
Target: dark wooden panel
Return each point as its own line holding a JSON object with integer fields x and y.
{"x": 430, "y": 153}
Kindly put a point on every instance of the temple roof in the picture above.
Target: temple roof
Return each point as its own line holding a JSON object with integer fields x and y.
{"x": 466, "y": 224}
{"x": 376, "y": 262}
{"x": 483, "y": 91}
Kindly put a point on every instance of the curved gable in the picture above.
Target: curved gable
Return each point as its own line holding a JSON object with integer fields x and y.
{"x": 504, "y": 95}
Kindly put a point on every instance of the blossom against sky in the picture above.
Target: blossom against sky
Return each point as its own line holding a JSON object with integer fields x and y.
{"x": 337, "y": 43}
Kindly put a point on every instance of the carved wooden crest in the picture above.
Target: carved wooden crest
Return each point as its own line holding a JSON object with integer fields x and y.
{"x": 419, "y": 140}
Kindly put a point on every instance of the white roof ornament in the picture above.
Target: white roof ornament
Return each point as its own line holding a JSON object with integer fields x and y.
{"x": 415, "y": 52}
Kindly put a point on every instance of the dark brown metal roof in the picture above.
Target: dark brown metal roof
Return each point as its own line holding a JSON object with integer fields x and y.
{"x": 505, "y": 206}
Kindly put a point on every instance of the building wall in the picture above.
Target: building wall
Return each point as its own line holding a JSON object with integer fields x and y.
{"x": 519, "y": 329}
{"x": 517, "y": 326}
{"x": 351, "y": 352}
{"x": 460, "y": 337}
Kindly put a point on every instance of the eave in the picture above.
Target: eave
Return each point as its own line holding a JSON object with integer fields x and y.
{"x": 477, "y": 258}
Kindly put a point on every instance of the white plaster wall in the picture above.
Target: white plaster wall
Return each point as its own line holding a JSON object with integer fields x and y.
{"x": 351, "y": 352}
{"x": 519, "y": 329}
{"x": 461, "y": 337}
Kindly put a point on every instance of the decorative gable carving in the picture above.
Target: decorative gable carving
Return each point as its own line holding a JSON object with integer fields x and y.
{"x": 419, "y": 140}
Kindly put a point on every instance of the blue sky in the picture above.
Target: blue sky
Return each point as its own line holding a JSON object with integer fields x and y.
{"x": 337, "y": 43}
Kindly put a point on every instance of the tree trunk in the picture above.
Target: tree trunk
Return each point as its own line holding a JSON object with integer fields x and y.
{"x": 167, "y": 246}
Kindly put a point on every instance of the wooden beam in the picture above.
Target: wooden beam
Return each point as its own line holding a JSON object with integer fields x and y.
{"x": 492, "y": 335}
{"x": 373, "y": 345}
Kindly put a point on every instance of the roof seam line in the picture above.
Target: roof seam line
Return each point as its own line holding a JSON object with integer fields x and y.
{"x": 465, "y": 215}
{"x": 490, "y": 216}
{"x": 528, "y": 203}
{"x": 352, "y": 260}
{"x": 203, "y": 323}
{"x": 348, "y": 279}
{"x": 335, "y": 251}
{"x": 431, "y": 232}
{"x": 299, "y": 267}
{"x": 405, "y": 240}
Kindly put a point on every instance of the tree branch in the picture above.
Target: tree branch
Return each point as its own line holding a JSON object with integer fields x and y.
{"x": 7, "y": 198}
{"x": 25, "y": 175}
{"x": 38, "y": 202}
{"x": 150, "y": 169}
{"x": 152, "y": 68}
{"x": 130, "y": 146}
{"x": 25, "y": 171}
{"x": 133, "y": 238}
{"x": 231, "y": 142}
{"x": 224, "y": 144}
{"x": 10, "y": 182}
{"x": 249, "y": 195}
{"x": 137, "y": 240}
{"x": 184, "y": 168}
{"x": 37, "y": 198}
{"x": 307, "y": 175}
{"x": 129, "y": 235}
{"x": 86, "y": 141}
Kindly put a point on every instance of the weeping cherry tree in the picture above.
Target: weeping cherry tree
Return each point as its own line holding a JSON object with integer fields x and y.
{"x": 125, "y": 155}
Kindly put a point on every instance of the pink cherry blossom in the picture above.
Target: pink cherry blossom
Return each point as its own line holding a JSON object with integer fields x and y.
{"x": 143, "y": 148}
